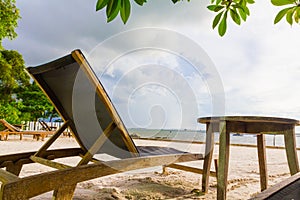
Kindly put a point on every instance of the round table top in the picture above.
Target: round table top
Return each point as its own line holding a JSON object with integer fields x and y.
{"x": 249, "y": 119}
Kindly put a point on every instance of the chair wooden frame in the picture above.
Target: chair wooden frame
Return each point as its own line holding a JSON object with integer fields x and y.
{"x": 281, "y": 187}
{"x": 11, "y": 129}
{"x": 63, "y": 180}
{"x": 45, "y": 126}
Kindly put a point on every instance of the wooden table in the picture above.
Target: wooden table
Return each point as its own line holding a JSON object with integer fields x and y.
{"x": 246, "y": 124}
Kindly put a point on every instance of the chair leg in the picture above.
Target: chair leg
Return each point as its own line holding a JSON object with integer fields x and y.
{"x": 216, "y": 162}
{"x": 64, "y": 193}
{"x": 14, "y": 168}
{"x": 164, "y": 170}
{"x": 261, "y": 148}
{"x": 209, "y": 149}
{"x": 291, "y": 151}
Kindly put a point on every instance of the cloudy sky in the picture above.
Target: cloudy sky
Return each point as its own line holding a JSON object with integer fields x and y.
{"x": 157, "y": 85}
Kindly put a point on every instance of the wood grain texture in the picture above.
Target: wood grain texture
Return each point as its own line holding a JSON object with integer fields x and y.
{"x": 291, "y": 152}
{"x": 276, "y": 188}
{"x": 98, "y": 144}
{"x": 28, "y": 187}
{"x": 262, "y": 161}
{"x": 52, "y": 139}
{"x": 223, "y": 161}
{"x": 254, "y": 125}
{"x": 209, "y": 150}
{"x": 49, "y": 163}
{"x": 259, "y": 119}
{"x": 190, "y": 169}
{"x": 6, "y": 177}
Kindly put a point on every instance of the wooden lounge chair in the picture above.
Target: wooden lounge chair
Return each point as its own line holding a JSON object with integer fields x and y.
{"x": 84, "y": 105}
{"x": 11, "y": 129}
{"x": 45, "y": 126}
{"x": 287, "y": 189}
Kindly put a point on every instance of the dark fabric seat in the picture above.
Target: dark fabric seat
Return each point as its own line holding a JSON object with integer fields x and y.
{"x": 155, "y": 150}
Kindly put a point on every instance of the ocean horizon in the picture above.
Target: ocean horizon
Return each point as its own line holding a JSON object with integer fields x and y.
{"x": 199, "y": 136}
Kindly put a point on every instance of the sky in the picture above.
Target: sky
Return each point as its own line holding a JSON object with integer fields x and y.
{"x": 166, "y": 67}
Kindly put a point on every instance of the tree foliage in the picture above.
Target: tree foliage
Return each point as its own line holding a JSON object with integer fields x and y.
{"x": 10, "y": 112}
{"x": 33, "y": 103}
{"x": 12, "y": 74}
{"x": 291, "y": 13}
{"x": 20, "y": 100}
{"x": 9, "y": 15}
{"x": 28, "y": 104}
{"x": 238, "y": 10}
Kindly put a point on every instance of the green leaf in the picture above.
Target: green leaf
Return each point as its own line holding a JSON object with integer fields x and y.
{"x": 280, "y": 15}
{"x": 235, "y": 16}
{"x": 140, "y": 2}
{"x": 101, "y": 4}
{"x": 112, "y": 17}
{"x": 243, "y": 3}
{"x": 175, "y": 1}
{"x": 217, "y": 19}
{"x": 218, "y": 8}
{"x": 112, "y": 9}
{"x": 296, "y": 18}
{"x": 250, "y": 1}
{"x": 218, "y": 2}
{"x": 282, "y": 2}
{"x": 223, "y": 25}
{"x": 242, "y": 14}
{"x": 215, "y": 8}
{"x": 298, "y": 11}
{"x": 247, "y": 11}
{"x": 125, "y": 10}
{"x": 211, "y": 7}
{"x": 289, "y": 16}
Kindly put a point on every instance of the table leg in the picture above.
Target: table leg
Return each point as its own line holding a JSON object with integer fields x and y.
{"x": 209, "y": 150}
{"x": 291, "y": 151}
{"x": 223, "y": 161}
{"x": 261, "y": 148}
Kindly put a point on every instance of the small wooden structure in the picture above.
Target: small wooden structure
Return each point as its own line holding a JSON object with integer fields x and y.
{"x": 11, "y": 129}
{"x": 82, "y": 102}
{"x": 252, "y": 125}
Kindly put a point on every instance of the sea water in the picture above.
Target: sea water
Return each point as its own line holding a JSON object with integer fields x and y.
{"x": 199, "y": 136}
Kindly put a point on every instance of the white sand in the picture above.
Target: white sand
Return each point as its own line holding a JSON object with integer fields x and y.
{"x": 151, "y": 184}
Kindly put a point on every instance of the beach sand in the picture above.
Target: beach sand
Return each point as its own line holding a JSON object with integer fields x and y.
{"x": 243, "y": 180}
